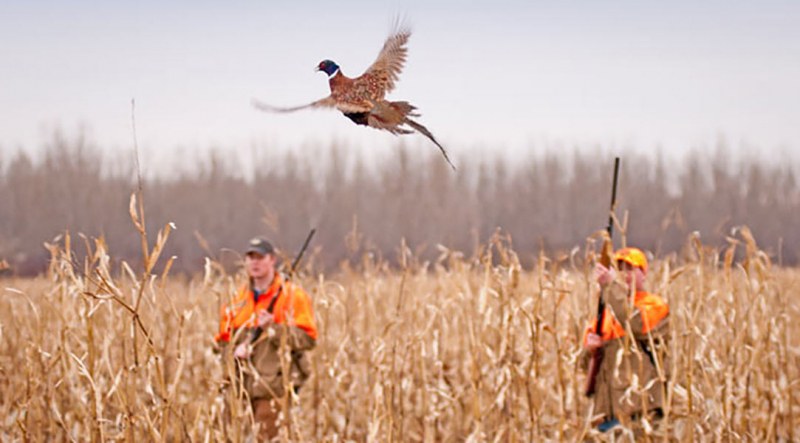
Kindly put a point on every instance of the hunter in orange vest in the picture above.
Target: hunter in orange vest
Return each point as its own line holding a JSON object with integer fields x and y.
{"x": 274, "y": 307}
{"x": 244, "y": 311}
{"x": 643, "y": 357}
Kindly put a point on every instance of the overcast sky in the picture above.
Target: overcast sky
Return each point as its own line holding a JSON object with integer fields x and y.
{"x": 500, "y": 75}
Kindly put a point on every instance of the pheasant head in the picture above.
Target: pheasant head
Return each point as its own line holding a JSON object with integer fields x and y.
{"x": 328, "y": 66}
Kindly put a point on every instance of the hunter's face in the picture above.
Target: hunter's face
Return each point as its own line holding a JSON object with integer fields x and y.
{"x": 632, "y": 274}
{"x": 259, "y": 266}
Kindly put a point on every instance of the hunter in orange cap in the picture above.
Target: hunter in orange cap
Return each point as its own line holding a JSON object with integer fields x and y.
{"x": 264, "y": 310}
{"x": 647, "y": 319}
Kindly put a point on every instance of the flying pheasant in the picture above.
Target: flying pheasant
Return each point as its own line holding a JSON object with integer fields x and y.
{"x": 362, "y": 99}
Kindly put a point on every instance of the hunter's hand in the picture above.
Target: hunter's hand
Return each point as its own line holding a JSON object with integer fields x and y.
{"x": 593, "y": 341}
{"x": 242, "y": 351}
{"x": 265, "y": 318}
{"x": 604, "y": 275}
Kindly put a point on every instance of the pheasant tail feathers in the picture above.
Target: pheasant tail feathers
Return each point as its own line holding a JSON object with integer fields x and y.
{"x": 424, "y": 131}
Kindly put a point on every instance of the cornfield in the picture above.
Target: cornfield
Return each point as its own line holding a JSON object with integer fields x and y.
{"x": 461, "y": 348}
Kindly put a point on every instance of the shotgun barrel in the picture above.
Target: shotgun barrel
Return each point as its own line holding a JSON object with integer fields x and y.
{"x": 605, "y": 260}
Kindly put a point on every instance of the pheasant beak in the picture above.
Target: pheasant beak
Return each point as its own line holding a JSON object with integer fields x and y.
{"x": 317, "y": 68}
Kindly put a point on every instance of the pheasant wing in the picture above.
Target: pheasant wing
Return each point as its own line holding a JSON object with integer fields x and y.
{"x": 347, "y": 104}
{"x": 327, "y": 102}
{"x": 381, "y": 76}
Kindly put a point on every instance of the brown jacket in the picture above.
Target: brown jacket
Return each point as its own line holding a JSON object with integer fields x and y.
{"x": 263, "y": 378}
{"x": 634, "y": 370}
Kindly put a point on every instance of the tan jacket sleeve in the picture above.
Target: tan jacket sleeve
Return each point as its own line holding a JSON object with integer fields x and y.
{"x": 619, "y": 300}
{"x": 298, "y": 339}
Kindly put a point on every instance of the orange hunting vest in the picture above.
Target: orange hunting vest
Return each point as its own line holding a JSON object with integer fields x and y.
{"x": 653, "y": 309}
{"x": 243, "y": 312}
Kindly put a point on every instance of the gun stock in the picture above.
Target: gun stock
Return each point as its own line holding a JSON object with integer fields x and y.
{"x": 605, "y": 259}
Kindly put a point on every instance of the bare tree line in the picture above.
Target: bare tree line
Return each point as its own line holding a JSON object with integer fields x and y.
{"x": 546, "y": 200}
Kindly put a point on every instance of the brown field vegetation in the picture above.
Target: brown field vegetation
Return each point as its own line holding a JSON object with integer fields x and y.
{"x": 458, "y": 348}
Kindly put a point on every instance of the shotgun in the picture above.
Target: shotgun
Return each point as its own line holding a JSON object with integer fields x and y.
{"x": 258, "y": 330}
{"x": 605, "y": 260}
